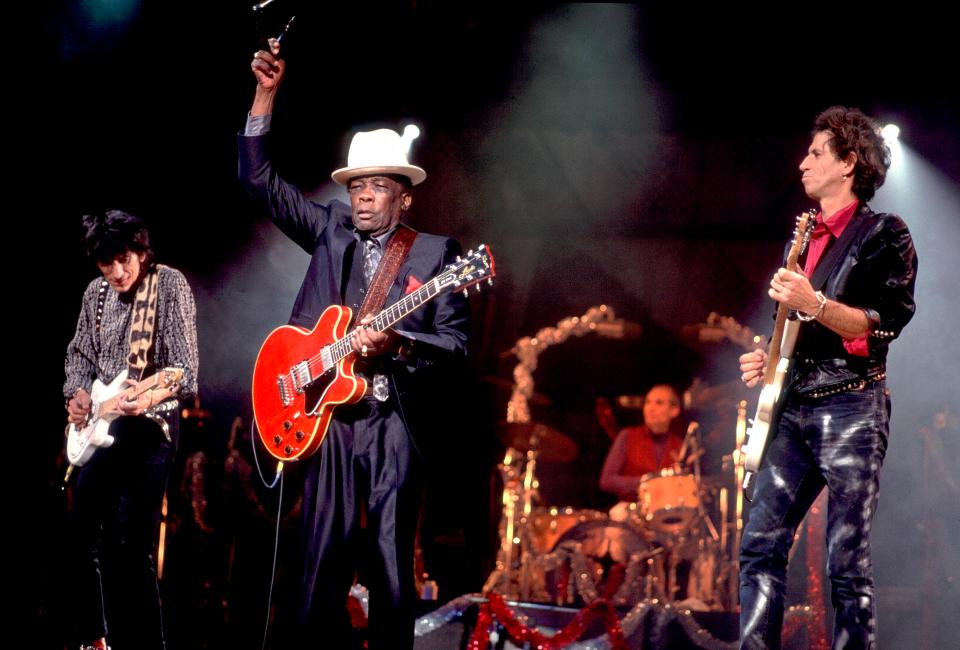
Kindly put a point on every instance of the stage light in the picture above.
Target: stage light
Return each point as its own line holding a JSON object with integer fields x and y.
{"x": 891, "y": 137}
{"x": 410, "y": 133}
{"x": 890, "y": 133}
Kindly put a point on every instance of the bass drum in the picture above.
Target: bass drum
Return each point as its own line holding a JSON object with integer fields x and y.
{"x": 606, "y": 539}
{"x": 621, "y": 565}
{"x": 545, "y": 526}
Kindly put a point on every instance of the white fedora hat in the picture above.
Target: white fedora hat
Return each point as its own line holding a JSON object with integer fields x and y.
{"x": 383, "y": 151}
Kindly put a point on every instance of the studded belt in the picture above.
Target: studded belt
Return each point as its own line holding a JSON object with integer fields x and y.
{"x": 857, "y": 384}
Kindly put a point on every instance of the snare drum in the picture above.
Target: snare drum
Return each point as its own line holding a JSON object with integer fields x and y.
{"x": 668, "y": 501}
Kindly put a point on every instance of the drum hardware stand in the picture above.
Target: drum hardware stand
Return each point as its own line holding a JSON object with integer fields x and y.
{"x": 654, "y": 580}
{"x": 694, "y": 431}
{"x": 673, "y": 561}
{"x": 599, "y": 319}
{"x": 530, "y": 484}
{"x": 520, "y": 491}
{"x": 530, "y": 492}
{"x": 731, "y": 551}
{"x": 502, "y": 579}
{"x": 724, "y": 576}
{"x": 716, "y": 536}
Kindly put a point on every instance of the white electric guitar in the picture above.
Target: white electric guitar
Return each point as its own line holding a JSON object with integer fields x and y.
{"x": 782, "y": 342}
{"x": 84, "y": 440}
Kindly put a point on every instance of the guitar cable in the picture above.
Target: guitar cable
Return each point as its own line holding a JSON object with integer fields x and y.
{"x": 256, "y": 459}
{"x": 276, "y": 536}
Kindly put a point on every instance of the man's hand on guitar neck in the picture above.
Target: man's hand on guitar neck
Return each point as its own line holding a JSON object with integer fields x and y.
{"x": 370, "y": 343}
{"x": 794, "y": 290}
{"x": 133, "y": 404}
{"x": 78, "y": 408}
{"x": 752, "y": 367}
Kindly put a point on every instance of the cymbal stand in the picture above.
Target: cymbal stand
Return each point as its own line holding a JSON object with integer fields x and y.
{"x": 503, "y": 578}
{"x": 733, "y": 564}
{"x": 698, "y": 449}
{"x": 529, "y": 493}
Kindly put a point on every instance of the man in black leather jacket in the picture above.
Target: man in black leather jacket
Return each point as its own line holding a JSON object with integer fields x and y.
{"x": 855, "y": 295}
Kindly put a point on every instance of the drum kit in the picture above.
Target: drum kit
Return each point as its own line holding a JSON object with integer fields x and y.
{"x": 662, "y": 546}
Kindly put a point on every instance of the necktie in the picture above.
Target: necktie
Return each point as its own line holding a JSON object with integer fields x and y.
{"x": 371, "y": 260}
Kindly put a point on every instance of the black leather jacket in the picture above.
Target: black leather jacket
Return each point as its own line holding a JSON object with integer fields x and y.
{"x": 872, "y": 266}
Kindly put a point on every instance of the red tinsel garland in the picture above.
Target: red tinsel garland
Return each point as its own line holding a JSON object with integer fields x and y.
{"x": 496, "y": 608}
{"x": 816, "y": 531}
{"x": 358, "y": 617}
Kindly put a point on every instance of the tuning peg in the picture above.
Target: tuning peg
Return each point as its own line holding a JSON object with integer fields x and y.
{"x": 490, "y": 281}
{"x": 458, "y": 259}
{"x": 466, "y": 292}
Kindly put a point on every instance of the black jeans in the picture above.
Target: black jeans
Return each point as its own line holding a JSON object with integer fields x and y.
{"x": 840, "y": 442}
{"x": 112, "y": 531}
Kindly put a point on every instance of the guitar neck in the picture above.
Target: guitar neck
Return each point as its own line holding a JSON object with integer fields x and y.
{"x": 776, "y": 339}
{"x": 779, "y": 329}
{"x": 341, "y": 348}
{"x": 153, "y": 382}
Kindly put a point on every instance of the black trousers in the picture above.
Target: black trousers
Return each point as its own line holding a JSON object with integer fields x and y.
{"x": 112, "y": 528}
{"x": 367, "y": 463}
{"x": 838, "y": 442}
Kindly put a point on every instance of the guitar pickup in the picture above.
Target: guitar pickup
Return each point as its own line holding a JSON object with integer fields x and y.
{"x": 301, "y": 376}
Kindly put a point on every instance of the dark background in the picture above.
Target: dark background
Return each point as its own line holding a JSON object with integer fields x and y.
{"x": 642, "y": 157}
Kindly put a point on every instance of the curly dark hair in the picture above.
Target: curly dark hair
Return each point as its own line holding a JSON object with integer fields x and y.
{"x": 114, "y": 232}
{"x": 854, "y": 132}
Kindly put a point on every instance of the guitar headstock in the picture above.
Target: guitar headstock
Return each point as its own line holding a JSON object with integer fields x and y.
{"x": 809, "y": 224}
{"x": 169, "y": 377}
{"x": 471, "y": 269}
{"x": 801, "y": 236}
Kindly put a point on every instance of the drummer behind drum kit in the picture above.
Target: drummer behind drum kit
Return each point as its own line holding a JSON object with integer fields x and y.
{"x": 662, "y": 546}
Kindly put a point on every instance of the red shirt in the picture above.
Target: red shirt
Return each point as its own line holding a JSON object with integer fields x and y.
{"x": 633, "y": 454}
{"x": 826, "y": 231}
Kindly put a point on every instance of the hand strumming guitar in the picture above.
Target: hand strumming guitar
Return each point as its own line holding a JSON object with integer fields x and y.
{"x": 78, "y": 408}
{"x": 752, "y": 366}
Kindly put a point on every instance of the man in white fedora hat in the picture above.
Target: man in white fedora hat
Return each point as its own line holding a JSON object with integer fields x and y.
{"x": 370, "y": 463}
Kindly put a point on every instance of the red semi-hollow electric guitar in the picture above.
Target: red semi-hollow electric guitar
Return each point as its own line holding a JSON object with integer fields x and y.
{"x": 301, "y": 376}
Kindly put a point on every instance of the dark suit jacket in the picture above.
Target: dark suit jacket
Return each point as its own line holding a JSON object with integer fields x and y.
{"x": 438, "y": 329}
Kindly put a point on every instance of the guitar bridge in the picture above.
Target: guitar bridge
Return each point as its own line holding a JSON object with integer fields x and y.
{"x": 285, "y": 395}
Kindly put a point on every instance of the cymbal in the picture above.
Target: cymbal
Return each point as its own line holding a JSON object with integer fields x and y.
{"x": 537, "y": 399}
{"x": 550, "y": 444}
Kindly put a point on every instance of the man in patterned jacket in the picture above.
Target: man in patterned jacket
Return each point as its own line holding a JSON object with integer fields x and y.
{"x": 135, "y": 320}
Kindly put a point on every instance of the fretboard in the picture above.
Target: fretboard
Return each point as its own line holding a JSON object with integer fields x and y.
{"x": 339, "y": 349}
